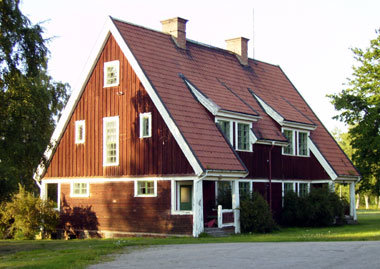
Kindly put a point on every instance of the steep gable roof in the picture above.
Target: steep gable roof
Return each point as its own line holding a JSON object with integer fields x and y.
{"x": 219, "y": 75}
{"x": 166, "y": 71}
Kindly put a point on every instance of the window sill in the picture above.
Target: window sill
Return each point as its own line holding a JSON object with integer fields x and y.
{"x": 146, "y": 195}
{"x": 182, "y": 212}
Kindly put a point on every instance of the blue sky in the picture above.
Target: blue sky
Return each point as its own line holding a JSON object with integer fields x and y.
{"x": 310, "y": 40}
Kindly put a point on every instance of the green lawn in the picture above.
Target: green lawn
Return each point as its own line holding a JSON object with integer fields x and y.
{"x": 79, "y": 253}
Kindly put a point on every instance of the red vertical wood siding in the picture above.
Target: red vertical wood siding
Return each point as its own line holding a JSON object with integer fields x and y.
{"x": 283, "y": 167}
{"x": 157, "y": 155}
{"x": 113, "y": 207}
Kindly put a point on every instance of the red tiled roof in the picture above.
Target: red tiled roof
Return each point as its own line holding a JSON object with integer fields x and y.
{"x": 220, "y": 76}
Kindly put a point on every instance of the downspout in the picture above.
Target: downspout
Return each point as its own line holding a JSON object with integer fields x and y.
{"x": 270, "y": 176}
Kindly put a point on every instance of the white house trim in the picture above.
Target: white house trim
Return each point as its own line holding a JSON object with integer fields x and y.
{"x": 99, "y": 180}
{"x": 109, "y": 29}
{"x": 155, "y": 99}
{"x": 329, "y": 170}
{"x": 280, "y": 119}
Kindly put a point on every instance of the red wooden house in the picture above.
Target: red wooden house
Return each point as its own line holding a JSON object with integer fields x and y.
{"x": 161, "y": 121}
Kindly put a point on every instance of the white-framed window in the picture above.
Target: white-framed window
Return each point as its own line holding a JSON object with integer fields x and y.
{"x": 298, "y": 145}
{"x": 145, "y": 188}
{"x": 145, "y": 125}
{"x": 80, "y": 131}
{"x": 290, "y": 148}
{"x": 111, "y": 73}
{"x": 245, "y": 188}
{"x": 303, "y": 149}
{"x": 182, "y": 197}
{"x": 243, "y": 136}
{"x": 303, "y": 189}
{"x": 226, "y": 127}
{"x": 111, "y": 141}
{"x": 53, "y": 193}
{"x": 80, "y": 189}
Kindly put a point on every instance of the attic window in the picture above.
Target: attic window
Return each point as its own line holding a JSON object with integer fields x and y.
{"x": 225, "y": 126}
{"x": 80, "y": 131}
{"x": 297, "y": 140}
{"x": 242, "y": 137}
{"x": 111, "y": 73}
{"x": 145, "y": 125}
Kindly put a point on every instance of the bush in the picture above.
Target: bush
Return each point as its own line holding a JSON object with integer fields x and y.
{"x": 255, "y": 215}
{"x": 26, "y": 215}
{"x": 319, "y": 208}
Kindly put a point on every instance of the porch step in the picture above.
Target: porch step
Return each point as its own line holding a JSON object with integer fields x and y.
{"x": 217, "y": 232}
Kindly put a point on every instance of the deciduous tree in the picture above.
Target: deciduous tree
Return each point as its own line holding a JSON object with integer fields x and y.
{"x": 30, "y": 100}
{"x": 359, "y": 106}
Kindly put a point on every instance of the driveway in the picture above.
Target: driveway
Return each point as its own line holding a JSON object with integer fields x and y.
{"x": 253, "y": 255}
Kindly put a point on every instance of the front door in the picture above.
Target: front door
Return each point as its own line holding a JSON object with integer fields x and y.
{"x": 185, "y": 199}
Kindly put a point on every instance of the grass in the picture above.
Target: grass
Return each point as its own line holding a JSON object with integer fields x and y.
{"x": 80, "y": 253}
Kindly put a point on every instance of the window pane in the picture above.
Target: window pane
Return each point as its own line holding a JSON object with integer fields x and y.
{"x": 302, "y": 144}
{"x": 145, "y": 187}
{"x": 111, "y": 141}
{"x": 52, "y": 193}
{"x": 303, "y": 189}
{"x": 225, "y": 127}
{"x": 244, "y": 188}
{"x": 243, "y": 136}
{"x": 185, "y": 199}
{"x": 289, "y": 135}
{"x": 288, "y": 187}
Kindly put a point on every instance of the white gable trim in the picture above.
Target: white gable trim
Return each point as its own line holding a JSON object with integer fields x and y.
{"x": 156, "y": 100}
{"x": 206, "y": 102}
{"x": 313, "y": 148}
{"x": 109, "y": 29}
{"x": 280, "y": 119}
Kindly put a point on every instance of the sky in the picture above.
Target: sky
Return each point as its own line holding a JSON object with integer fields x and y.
{"x": 309, "y": 40}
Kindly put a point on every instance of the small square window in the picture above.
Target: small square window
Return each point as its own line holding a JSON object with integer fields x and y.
{"x": 111, "y": 74}
{"x": 145, "y": 125}
{"x": 145, "y": 188}
{"x": 80, "y": 131}
{"x": 80, "y": 189}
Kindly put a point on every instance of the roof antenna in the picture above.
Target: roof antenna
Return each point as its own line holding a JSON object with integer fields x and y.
{"x": 253, "y": 32}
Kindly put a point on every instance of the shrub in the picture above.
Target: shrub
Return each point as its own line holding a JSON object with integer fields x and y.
{"x": 25, "y": 215}
{"x": 319, "y": 208}
{"x": 293, "y": 211}
{"x": 255, "y": 215}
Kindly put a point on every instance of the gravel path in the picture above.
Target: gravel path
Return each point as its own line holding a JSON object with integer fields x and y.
{"x": 253, "y": 255}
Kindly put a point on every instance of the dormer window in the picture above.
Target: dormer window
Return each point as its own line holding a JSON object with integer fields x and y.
{"x": 145, "y": 125}
{"x": 297, "y": 140}
{"x": 225, "y": 126}
{"x": 243, "y": 137}
{"x": 111, "y": 74}
{"x": 289, "y": 149}
{"x": 80, "y": 131}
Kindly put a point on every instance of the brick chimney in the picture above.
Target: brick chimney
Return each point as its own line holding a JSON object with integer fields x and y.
{"x": 177, "y": 28}
{"x": 239, "y": 46}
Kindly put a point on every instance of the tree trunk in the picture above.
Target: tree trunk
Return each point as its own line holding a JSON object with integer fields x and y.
{"x": 366, "y": 201}
{"x": 378, "y": 202}
{"x": 358, "y": 201}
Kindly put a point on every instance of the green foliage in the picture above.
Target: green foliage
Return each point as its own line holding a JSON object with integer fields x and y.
{"x": 319, "y": 208}
{"x": 30, "y": 100}
{"x": 255, "y": 215}
{"x": 359, "y": 107}
{"x": 25, "y": 215}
